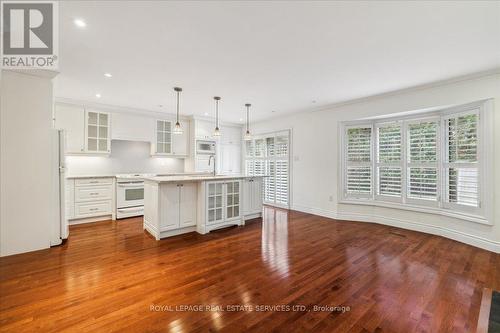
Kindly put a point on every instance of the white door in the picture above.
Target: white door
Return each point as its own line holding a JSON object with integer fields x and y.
{"x": 188, "y": 193}
{"x": 170, "y": 215}
{"x": 71, "y": 119}
{"x": 215, "y": 204}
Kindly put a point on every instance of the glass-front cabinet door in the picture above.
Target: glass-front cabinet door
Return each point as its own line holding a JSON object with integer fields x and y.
{"x": 215, "y": 203}
{"x": 163, "y": 137}
{"x": 97, "y": 132}
{"x": 232, "y": 199}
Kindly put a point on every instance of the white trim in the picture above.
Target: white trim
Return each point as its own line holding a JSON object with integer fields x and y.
{"x": 459, "y": 236}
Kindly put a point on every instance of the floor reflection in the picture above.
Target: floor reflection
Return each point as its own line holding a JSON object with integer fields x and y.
{"x": 275, "y": 240}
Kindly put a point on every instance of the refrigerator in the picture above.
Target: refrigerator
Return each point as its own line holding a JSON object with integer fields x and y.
{"x": 60, "y": 228}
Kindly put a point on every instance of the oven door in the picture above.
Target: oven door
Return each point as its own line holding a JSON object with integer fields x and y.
{"x": 130, "y": 194}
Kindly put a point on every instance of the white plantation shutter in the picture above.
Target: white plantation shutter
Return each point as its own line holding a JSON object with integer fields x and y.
{"x": 422, "y": 174}
{"x": 358, "y": 178}
{"x": 439, "y": 160}
{"x": 269, "y": 157}
{"x": 389, "y": 161}
{"x": 461, "y": 164}
{"x": 282, "y": 182}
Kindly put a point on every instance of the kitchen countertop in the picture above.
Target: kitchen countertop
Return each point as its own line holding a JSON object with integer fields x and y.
{"x": 89, "y": 176}
{"x": 158, "y": 175}
{"x": 169, "y": 179}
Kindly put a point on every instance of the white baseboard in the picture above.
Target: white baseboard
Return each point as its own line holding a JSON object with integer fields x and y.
{"x": 459, "y": 236}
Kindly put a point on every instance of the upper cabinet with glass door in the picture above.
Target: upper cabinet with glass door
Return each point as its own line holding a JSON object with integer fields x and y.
{"x": 168, "y": 143}
{"x": 97, "y": 130}
{"x": 163, "y": 144}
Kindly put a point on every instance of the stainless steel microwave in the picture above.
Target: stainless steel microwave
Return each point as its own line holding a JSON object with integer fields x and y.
{"x": 205, "y": 147}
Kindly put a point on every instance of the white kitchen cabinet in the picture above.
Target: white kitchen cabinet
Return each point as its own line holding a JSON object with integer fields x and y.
{"x": 180, "y": 142}
{"x": 221, "y": 205}
{"x": 89, "y": 198}
{"x": 229, "y": 157}
{"x": 231, "y": 135}
{"x": 132, "y": 127}
{"x": 171, "y": 208}
{"x": 188, "y": 201}
{"x": 204, "y": 129}
{"x": 252, "y": 197}
{"x": 170, "y": 213}
{"x": 71, "y": 119}
{"x": 215, "y": 202}
{"x": 167, "y": 143}
{"x": 97, "y": 131}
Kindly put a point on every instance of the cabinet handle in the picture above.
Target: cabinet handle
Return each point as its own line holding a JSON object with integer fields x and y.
{"x": 93, "y": 209}
{"x": 94, "y": 193}
{"x": 94, "y": 182}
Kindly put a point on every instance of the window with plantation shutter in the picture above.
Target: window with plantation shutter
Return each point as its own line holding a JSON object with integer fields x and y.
{"x": 268, "y": 155}
{"x": 358, "y": 178}
{"x": 437, "y": 161}
{"x": 389, "y": 161}
{"x": 422, "y": 166}
{"x": 461, "y": 161}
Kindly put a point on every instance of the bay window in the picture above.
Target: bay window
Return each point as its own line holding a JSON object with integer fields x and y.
{"x": 427, "y": 161}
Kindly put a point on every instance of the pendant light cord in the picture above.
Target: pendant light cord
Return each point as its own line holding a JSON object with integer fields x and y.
{"x": 178, "y": 93}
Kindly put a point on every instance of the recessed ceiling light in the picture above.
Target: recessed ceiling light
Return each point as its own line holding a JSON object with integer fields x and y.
{"x": 108, "y": 75}
{"x": 241, "y": 119}
{"x": 98, "y": 95}
{"x": 80, "y": 23}
{"x": 206, "y": 113}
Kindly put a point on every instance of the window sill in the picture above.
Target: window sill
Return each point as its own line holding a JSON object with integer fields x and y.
{"x": 429, "y": 210}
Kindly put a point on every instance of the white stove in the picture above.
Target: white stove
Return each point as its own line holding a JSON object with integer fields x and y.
{"x": 130, "y": 194}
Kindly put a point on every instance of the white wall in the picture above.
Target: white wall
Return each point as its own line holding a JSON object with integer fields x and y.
{"x": 26, "y": 202}
{"x": 126, "y": 157}
{"x": 315, "y": 152}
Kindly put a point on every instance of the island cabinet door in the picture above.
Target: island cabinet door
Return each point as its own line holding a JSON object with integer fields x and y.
{"x": 233, "y": 195}
{"x": 215, "y": 204}
{"x": 188, "y": 198}
{"x": 170, "y": 207}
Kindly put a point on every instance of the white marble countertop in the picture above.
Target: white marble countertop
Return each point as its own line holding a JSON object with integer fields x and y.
{"x": 198, "y": 178}
{"x": 174, "y": 174}
{"x": 89, "y": 176}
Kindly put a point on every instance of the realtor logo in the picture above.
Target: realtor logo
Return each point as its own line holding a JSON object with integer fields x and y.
{"x": 29, "y": 38}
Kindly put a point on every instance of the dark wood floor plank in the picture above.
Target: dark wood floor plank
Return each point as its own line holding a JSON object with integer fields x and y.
{"x": 109, "y": 274}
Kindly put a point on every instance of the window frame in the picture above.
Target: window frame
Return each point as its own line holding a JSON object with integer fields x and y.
{"x": 483, "y": 213}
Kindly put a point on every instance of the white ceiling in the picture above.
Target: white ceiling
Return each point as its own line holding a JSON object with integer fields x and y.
{"x": 279, "y": 56}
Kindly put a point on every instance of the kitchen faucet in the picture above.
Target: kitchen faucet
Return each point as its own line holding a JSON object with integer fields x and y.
{"x": 209, "y": 159}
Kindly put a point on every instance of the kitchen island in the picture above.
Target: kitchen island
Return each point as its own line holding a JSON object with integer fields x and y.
{"x": 175, "y": 205}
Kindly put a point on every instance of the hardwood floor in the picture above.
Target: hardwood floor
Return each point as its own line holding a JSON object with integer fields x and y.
{"x": 112, "y": 276}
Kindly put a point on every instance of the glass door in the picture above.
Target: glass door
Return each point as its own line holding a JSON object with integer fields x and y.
{"x": 232, "y": 199}
{"x": 97, "y": 132}
{"x": 215, "y": 203}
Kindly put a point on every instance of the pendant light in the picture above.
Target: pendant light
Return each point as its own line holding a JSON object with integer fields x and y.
{"x": 177, "y": 126}
{"x": 217, "y": 131}
{"x": 248, "y": 136}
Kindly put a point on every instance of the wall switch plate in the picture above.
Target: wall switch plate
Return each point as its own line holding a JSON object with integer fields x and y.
{"x": 330, "y": 198}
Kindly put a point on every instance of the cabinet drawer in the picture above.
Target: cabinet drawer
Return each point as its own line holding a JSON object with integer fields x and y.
{"x": 86, "y": 209}
{"x": 93, "y": 181}
{"x": 92, "y": 193}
